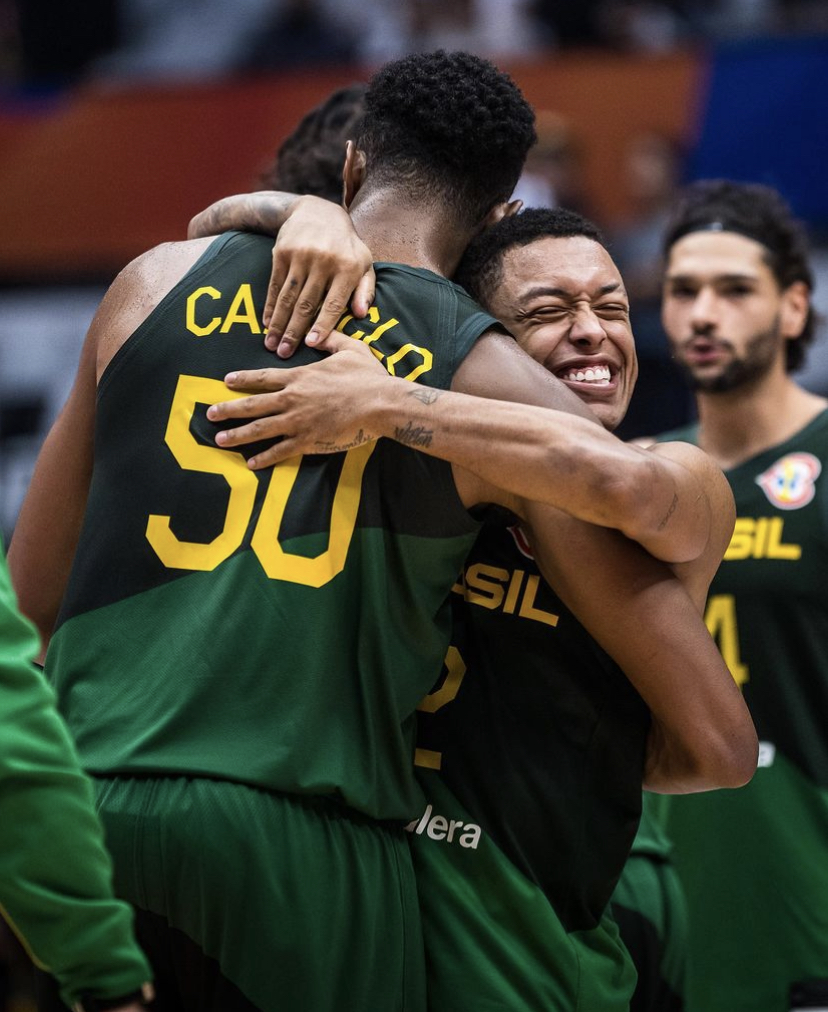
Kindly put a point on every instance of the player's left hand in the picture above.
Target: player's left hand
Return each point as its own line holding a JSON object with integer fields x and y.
{"x": 318, "y": 262}
{"x": 320, "y": 408}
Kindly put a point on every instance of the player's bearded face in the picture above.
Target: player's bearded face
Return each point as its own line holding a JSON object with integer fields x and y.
{"x": 721, "y": 311}
{"x": 738, "y": 368}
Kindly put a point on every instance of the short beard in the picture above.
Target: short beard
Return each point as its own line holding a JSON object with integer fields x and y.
{"x": 756, "y": 363}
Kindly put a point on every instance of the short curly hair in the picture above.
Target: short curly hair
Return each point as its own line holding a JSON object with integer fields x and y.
{"x": 449, "y": 126}
{"x": 481, "y": 269}
{"x": 310, "y": 160}
{"x": 760, "y": 213}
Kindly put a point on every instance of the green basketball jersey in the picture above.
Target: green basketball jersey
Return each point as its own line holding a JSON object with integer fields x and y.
{"x": 754, "y": 862}
{"x": 531, "y": 753}
{"x": 275, "y": 628}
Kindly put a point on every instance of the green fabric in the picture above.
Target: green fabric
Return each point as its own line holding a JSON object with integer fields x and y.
{"x": 302, "y": 906}
{"x": 651, "y": 912}
{"x": 55, "y": 875}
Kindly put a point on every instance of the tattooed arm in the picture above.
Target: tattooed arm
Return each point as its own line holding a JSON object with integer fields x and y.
{"x": 513, "y": 432}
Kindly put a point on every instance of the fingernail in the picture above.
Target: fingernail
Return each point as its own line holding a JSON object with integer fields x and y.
{"x": 271, "y": 342}
{"x": 231, "y": 377}
{"x": 221, "y": 437}
{"x": 252, "y": 462}
{"x": 312, "y": 337}
{"x": 284, "y": 349}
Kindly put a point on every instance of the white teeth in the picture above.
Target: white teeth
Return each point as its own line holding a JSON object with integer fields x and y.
{"x": 596, "y": 374}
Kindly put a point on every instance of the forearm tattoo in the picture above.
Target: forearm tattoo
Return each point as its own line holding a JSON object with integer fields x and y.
{"x": 425, "y": 395}
{"x": 413, "y": 435}
{"x": 330, "y": 447}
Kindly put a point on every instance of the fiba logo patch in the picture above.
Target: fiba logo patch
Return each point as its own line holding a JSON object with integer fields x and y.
{"x": 790, "y": 483}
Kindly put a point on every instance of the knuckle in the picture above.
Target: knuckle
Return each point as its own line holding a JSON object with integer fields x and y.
{"x": 305, "y": 307}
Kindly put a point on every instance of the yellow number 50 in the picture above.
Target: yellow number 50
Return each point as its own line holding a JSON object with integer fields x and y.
{"x": 243, "y": 483}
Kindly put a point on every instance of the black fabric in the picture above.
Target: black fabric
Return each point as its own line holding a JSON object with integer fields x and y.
{"x": 185, "y": 979}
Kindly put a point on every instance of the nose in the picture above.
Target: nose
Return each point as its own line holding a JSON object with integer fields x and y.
{"x": 703, "y": 312}
{"x": 587, "y": 330}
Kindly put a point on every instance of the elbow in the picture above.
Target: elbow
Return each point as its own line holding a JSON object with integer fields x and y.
{"x": 741, "y": 760}
{"x": 730, "y": 760}
{"x": 708, "y": 763}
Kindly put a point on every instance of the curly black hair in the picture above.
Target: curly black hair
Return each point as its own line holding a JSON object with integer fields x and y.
{"x": 760, "y": 213}
{"x": 450, "y": 126}
{"x": 310, "y": 160}
{"x": 481, "y": 269}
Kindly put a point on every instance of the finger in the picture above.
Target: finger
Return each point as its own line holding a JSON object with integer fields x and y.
{"x": 278, "y": 275}
{"x": 282, "y": 294}
{"x": 335, "y": 341}
{"x": 363, "y": 297}
{"x": 283, "y": 450}
{"x": 258, "y": 406}
{"x": 258, "y": 380}
{"x": 305, "y": 309}
{"x": 271, "y": 427}
{"x": 336, "y": 302}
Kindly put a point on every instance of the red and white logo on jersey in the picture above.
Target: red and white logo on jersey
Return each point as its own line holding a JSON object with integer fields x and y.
{"x": 522, "y": 542}
{"x": 790, "y": 483}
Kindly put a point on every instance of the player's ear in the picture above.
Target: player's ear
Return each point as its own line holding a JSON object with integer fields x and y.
{"x": 505, "y": 209}
{"x": 353, "y": 173}
{"x": 796, "y": 300}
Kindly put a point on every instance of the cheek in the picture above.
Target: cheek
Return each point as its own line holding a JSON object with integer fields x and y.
{"x": 539, "y": 344}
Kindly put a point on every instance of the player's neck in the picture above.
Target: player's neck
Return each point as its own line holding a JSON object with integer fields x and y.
{"x": 737, "y": 425}
{"x": 408, "y": 234}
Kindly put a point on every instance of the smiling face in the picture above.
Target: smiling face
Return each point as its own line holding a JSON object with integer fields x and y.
{"x": 723, "y": 311}
{"x": 565, "y": 303}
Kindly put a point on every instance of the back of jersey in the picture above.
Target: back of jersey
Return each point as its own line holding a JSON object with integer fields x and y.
{"x": 276, "y": 628}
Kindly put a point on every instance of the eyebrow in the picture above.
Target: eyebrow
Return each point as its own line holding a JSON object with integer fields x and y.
{"x": 561, "y": 293}
{"x": 716, "y": 277}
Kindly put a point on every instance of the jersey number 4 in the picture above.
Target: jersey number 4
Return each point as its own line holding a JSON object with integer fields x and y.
{"x": 275, "y": 561}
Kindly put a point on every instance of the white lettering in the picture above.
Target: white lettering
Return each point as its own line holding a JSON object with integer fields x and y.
{"x": 438, "y": 827}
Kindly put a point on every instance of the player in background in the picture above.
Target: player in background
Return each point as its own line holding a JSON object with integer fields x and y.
{"x": 737, "y": 311}
{"x": 55, "y": 873}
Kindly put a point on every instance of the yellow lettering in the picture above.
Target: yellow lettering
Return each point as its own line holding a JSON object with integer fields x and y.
{"x": 192, "y": 456}
{"x": 512, "y": 593}
{"x": 242, "y": 310}
{"x": 720, "y": 619}
{"x": 320, "y": 569}
{"x": 760, "y": 538}
{"x": 426, "y": 358}
{"x": 455, "y": 672}
{"x": 192, "y": 326}
{"x": 527, "y": 605}
{"x": 486, "y": 592}
{"x": 776, "y": 550}
{"x": 424, "y": 366}
{"x": 742, "y": 541}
